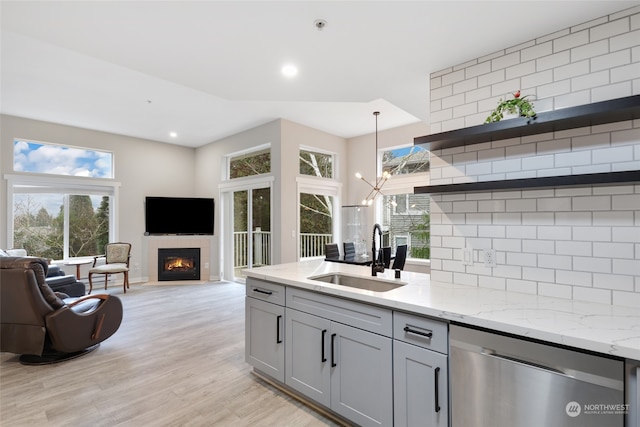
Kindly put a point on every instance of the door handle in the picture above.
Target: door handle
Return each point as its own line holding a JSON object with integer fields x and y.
{"x": 333, "y": 356}
{"x": 260, "y": 291}
{"x": 324, "y": 358}
{"x": 278, "y": 339}
{"x": 436, "y": 381}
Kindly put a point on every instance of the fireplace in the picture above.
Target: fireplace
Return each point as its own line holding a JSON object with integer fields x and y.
{"x": 178, "y": 264}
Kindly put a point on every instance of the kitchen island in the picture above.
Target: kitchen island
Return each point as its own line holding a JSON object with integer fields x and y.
{"x": 318, "y": 330}
{"x": 607, "y": 329}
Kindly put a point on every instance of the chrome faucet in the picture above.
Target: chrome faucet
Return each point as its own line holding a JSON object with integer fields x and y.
{"x": 377, "y": 264}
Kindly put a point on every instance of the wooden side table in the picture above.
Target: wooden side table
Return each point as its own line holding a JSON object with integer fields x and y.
{"x": 78, "y": 263}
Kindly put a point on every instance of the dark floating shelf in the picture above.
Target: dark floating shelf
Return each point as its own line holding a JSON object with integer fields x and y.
{"x": 597, "y": 113}
{"x": 528, "y": 183}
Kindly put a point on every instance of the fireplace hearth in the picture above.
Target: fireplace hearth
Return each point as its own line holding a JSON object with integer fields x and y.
{"x": 178, "y": 264}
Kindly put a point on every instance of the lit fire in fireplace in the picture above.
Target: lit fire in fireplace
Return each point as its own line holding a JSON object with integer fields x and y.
{"x": 178, "y": 264}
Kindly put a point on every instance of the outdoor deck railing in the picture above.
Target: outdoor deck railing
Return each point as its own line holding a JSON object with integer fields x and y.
{"x": 311, "y": 245}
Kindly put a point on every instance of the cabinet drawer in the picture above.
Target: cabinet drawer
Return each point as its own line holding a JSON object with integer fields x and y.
{"x": 421, "y": 331}
{"x": 267, "y": 291}
{"x": 359, "y": 315}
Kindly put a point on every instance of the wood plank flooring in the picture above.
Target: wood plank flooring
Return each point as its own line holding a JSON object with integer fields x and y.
{"x": 177, "y": 360}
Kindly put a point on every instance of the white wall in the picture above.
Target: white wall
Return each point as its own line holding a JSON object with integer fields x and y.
{"x": 143, "y": 167}
{"x": 574, "y": 243}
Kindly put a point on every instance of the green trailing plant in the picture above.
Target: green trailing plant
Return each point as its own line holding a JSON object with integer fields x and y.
{"x": 518, "y": 105}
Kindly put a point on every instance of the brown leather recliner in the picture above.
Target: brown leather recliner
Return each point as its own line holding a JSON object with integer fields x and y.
{"x": 37, "y": 324}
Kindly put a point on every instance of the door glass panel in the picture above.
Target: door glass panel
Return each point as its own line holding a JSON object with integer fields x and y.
{"x": 316, "y": 224}
{"x": 251, "y": 229}
{"x": 261, "y": 208}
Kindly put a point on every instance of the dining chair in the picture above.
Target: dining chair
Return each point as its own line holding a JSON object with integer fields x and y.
{"x": 349, "y": 250}
{"x": 401, "y": 257}
{"x": 331, "y": 251}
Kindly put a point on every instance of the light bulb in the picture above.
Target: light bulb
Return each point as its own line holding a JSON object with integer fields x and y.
{"x": 370, "y": 202}
{"x": 364, "y": 201}
{"x": 358, "y": 175}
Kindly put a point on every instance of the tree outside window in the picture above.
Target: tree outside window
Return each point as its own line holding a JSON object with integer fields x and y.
{"x": 316, "y": 164}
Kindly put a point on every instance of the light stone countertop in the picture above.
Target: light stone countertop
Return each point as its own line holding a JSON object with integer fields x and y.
{"x": 602, "y": 328}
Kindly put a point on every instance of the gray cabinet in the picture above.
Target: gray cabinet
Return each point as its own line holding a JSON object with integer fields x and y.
{"x": 420, "y": 369}
{"x": 264, "y": 328}
{"x": 344, "y": 368}
{"x": 308, "y": 362}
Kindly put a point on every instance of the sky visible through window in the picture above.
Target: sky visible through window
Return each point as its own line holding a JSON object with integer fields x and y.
{"x": 52, "y": 159}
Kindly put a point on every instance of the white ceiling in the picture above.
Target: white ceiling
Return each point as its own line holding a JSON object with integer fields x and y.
{"x": 210, "y": 69}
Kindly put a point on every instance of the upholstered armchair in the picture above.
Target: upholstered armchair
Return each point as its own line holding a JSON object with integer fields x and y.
{"x": 41, "y": 327}
{"x": 116, "y": 260}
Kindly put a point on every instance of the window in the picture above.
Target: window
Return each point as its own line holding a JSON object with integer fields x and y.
{"x": 250, "y": 163}
{"x": 40, "y": 157}
{"x": 316, "y": 164}
{"x": 60, "y": 225}
{"x": 406, "y": 160}
{"x": 61, "y": 201}
{"x": 406, "y": 222}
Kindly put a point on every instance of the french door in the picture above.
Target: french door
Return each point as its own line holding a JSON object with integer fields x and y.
{"x": 247, "y": 241}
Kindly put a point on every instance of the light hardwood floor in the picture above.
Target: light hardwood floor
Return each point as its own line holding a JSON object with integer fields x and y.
{"x": 177, "y": 360}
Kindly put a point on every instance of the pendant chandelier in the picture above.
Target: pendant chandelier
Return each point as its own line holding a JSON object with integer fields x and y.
{"x": 378, "y": 182}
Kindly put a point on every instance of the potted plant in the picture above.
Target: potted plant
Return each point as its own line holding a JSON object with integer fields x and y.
{"x": 517, "y": 107}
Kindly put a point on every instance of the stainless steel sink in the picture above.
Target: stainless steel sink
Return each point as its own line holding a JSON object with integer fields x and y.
{"x": 375, "y": 285}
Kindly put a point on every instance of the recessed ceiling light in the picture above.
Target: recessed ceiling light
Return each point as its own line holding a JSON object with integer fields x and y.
{"x": 173, "y": 135}
{"x": 290, "y": 70}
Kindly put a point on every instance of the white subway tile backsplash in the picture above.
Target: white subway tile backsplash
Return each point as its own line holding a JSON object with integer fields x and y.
{"x": 557, "y": 262}
{"x": 593, "y": 234}
{"x": 554, "y": 204}
{"x": 573, "y": 69}
{"x": 538, "y": 246}
{"x": 609, "y": 29}
{"x": 627, "y": 202}
{"x": 570, "y": 41}
{"x": 553, "y": 61}
{"x": 568, "y": 247}
{"x": 611, "y": 91}
{"x": 524, "y": 286}
{"x": 576, "y": 158}
{"x": 592, "y": 203}
{"x": 611, "y": 60}
{"x": 613, "y": 281}
{"x": 555, "y": 232}
{"x": 574, "y": 278}
{"x": 614, "y": 250}
{"x": 600, "y": 78}
{"x": 628, "y": 299}
{"x": 578, "y": 243}
{"x": 627, "y": 234}
{"x": 592, "y": 264}
{"x": 590, "y": 51}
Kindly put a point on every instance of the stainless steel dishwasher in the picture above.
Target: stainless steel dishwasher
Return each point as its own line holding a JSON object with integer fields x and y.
{"x": 501, "y": 381}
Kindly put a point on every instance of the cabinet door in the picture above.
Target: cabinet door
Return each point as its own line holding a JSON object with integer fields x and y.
{"x": 307, "y": 355}
{"x": 361, "y": 376}
{"x": 264, "y": 337}
{"x": 420, "y": 386}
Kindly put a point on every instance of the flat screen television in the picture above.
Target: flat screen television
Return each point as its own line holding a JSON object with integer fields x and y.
{"x": 179, "y": 215}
